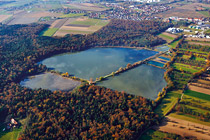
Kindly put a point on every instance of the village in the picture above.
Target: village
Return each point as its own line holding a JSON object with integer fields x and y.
{"x": 130, "y": 12}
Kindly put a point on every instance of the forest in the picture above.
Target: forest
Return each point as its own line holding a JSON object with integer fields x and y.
{"x": 130, "y": 33}
{"x": 89, "y": 112}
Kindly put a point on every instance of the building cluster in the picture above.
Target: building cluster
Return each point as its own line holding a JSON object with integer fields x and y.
{"x": 12, "y": 124}
{"x": 145, "y": 1}
{"x": 174, "y": 30}
{"x": 200, "y": 27}
{"x": 67, "y": 11}
{"x": 129, "y": 12}
{"x": 193, "y": 20}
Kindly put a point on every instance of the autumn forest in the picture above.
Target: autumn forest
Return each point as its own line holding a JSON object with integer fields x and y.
{"x": 88, "y": 112}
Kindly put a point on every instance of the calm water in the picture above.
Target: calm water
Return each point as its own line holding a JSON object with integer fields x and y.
{"x": 96, "y": 62}
{"x": 50, "y": 81}
{"x": 156, "y": 63}
{"x": 165, "y": 58}
{"x": 163, "y": 48}
{"x": 144, "y": 80}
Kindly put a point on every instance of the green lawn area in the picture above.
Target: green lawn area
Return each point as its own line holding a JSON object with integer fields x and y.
{"x": 76, "y": 32}
{"x": 174, "y": 43}
{"x": 185, "y": 67}
{"x": 11, "y": 135}
{"x": 186, "y": 56}
{"x": 92, "y": 22}
{"x": 200, "y": 59}
{"x": 165, "y": 36}
{"x": 207, "y": 32}
{"x": 188, "y": 118}
{"x": 196, "y": 101}
{"x": 197, "y": 95}
{"x": 152, "y": 135}
{"x": 205, "y": 13}
{"x": 168, "y": 102}
{"x": 49, "y": 32}
{"x": 194, "y": 50}
{"x": 72, "y": 15}
{"x": 200, "y": 110}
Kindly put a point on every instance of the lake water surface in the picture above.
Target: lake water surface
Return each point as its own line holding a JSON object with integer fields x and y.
{"x": 50, "y": 81}
{"x": 143, "y": 80}
{"x": 96, "y": 62}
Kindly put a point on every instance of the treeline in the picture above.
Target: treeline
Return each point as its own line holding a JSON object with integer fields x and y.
{"x": 130, "y": 33}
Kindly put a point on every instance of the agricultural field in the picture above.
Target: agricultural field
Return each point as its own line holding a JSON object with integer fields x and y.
{"x": 184, "y": 10}
{"x": 173, "y": 44}
{"x": 192, "y": 106}
{"x": 54, "y": 27}
{"x": 168, "y": 102}
{"x": 184, "y": 128}
{"x": 81, "y": 25}
{"x": 72, "y": 15}
{"x": 186, "y": 68}
{"x": 85, "y": 6}
{"x": 30, "y": 17}
{"x": 201, "y": 84}
{"x": 205, "y": 13}
{"x": 4, "y": 17}
{"x": 153, "y": 134}
{"x": 167, "y": 36}
{"x": 49, "y": 32}
{"x": 205, "y": 43}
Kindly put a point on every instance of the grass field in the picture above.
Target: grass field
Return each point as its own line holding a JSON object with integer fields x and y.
{"x": 197, "y": 95}
{"x": 194, "y": 50}
{"x": 153, "y": 135}
{"x": 72, "y": 15}
{"x": 200, "y": 59}
{"x": 91, "y": 22}
{"x": 173, "y": 44}
{"x": 75, "y": 32}
{"x": 49, "y": 32}
{"x": 205, "y": 13}
{"x": 200, "y": 110}
{"x": 187, "y": 68}
{"x": 165, "y": 36}
{"x": 168, "y": 102}
{"x": 188, "y": 118}
{"x": 13, "y": 135}
{"x": 81, "y": 25}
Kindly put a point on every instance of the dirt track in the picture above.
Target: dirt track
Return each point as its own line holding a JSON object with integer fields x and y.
{"x": 184, "y": 128}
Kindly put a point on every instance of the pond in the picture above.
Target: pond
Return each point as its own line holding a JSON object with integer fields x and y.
{"x": 143, "y": 80}
{"x": 50, "y": 81}
{"x": 96, "y": 62}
